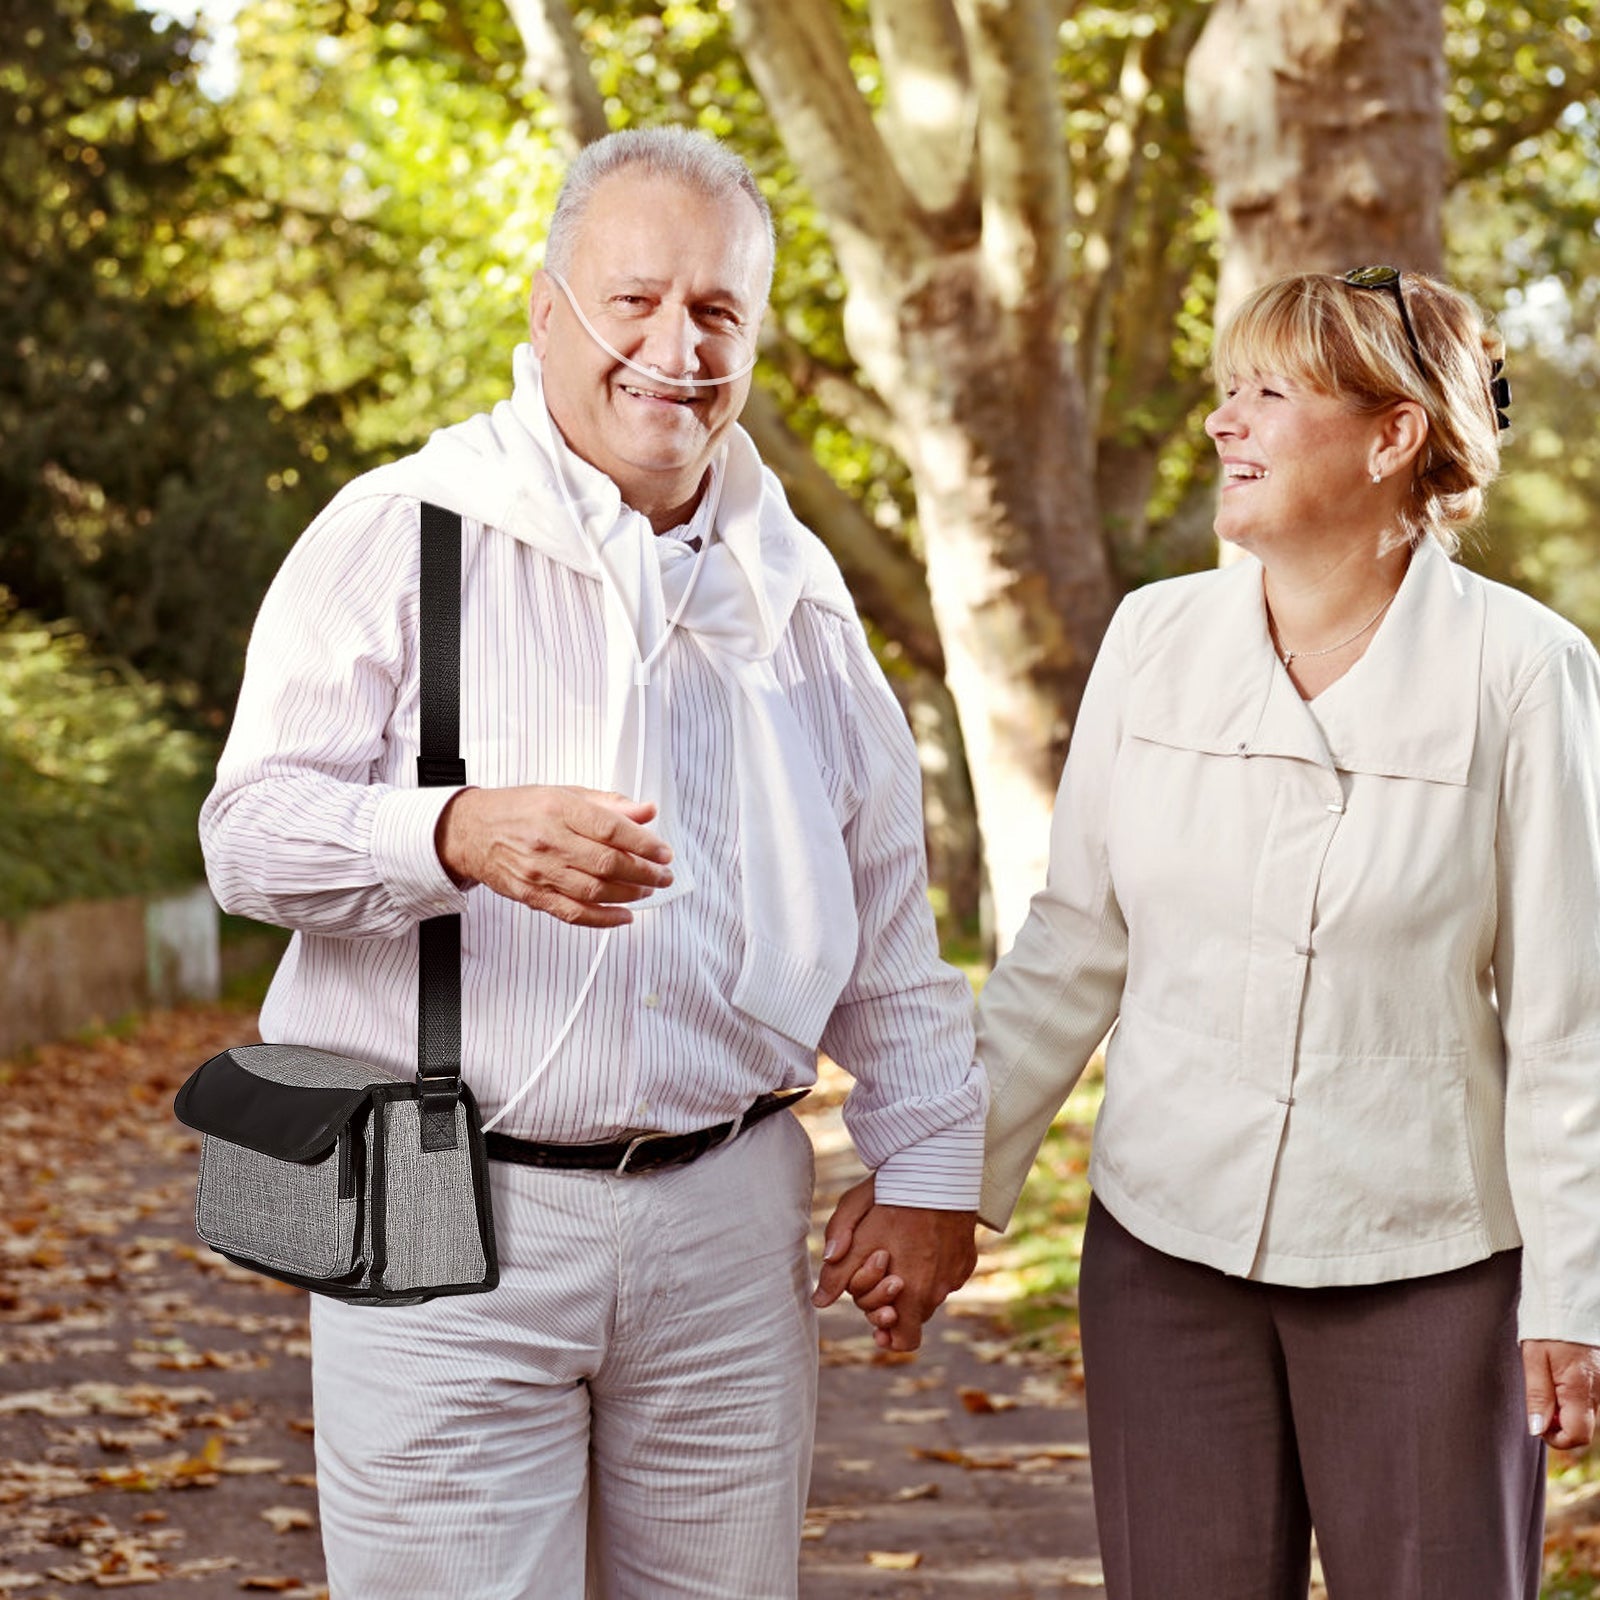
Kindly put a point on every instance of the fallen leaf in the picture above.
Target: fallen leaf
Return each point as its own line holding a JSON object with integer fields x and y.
{"x": 826, "y": 1516}
{"x": 912, "y": 1417}
{"x": 917, "y": 1491}
{"x": 44, "y": 1403}
{"x": 918, "y": 1382}
{"x": 286, "y": 1519}
{"x": 981, "y": 1403}
{"x": 1003, "y": 1458}
{"x": 894, "y": 1560}
{"x": 204, "y": 1564}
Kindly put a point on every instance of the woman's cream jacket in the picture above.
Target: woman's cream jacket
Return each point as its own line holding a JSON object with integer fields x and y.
{"x": 1351, "y": 948}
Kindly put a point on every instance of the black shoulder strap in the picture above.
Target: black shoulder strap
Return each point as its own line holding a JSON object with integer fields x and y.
{"x": 439, "y": 763}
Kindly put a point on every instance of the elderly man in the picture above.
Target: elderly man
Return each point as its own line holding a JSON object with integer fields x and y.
{"x": 690, "y": 855}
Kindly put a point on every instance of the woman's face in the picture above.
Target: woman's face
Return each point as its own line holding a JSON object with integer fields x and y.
{"x": 1296, "y": 465}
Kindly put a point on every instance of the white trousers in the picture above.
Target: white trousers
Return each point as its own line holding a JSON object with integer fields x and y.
{"x": 628, "y": 1415}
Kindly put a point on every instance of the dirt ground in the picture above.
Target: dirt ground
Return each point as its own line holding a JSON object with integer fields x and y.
{"x": 155, "y": 1428}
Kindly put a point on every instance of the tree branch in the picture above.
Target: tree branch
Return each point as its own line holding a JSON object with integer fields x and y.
{"x": 1110, "y": 232}
{"x": 798, "y": 59}
{"x": 837, "y": 390}
{"x": 1011, "y": 46}
{"x": 928, "y": 119}
{"x": 887, "y": 581}
{"x": 556, "y": 64}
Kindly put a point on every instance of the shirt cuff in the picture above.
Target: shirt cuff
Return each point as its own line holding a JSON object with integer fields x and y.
{"x": 403, "y": 825}
{"x": 942, "y": 1172}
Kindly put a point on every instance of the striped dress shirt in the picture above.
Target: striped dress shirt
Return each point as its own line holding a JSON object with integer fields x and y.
{"x": 315, "y": 824}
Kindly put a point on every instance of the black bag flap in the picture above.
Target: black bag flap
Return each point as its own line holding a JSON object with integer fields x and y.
{"x": 290, "y": 1122}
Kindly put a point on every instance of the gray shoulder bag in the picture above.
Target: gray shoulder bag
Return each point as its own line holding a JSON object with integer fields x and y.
{"x": 330, "y": 1173}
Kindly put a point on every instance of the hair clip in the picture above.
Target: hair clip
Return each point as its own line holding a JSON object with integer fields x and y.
{"x": 1499, "y": 393}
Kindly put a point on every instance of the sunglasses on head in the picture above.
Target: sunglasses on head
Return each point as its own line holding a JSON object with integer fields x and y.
{"x": 1387, "y": 280}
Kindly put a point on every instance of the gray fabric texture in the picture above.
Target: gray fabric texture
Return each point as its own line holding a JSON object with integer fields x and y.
{"x": 286, "y": 1214}
{"x": 430, "y": 1217}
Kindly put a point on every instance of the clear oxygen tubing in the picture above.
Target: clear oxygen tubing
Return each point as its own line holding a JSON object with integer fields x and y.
{"x": 634, "y": 366}
{"x": 643, "y": 665}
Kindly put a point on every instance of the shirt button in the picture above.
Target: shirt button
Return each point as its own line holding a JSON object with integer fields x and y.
{"x": 652, "y": 1000}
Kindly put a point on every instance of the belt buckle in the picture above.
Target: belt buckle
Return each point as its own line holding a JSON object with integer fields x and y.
{"x": 624, "y": 1166}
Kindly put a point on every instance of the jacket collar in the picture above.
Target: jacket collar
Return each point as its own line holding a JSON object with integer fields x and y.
{"x": 1211, "y": 680}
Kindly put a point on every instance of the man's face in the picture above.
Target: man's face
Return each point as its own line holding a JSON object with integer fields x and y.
{"x": 673, "y": 280}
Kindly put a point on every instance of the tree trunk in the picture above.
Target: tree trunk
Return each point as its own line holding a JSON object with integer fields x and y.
{"x": 1017, "y": 573}
{"x": 955, "y": 313}
{"x": 1322, "y": 125}
{"x": 950, "y": 819}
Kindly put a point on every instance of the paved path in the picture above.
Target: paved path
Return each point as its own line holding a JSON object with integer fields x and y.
{"x": 155, "y": 1411}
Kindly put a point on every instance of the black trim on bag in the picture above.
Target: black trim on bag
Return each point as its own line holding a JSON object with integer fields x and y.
{"x": 378, "y": 1189}
{"x": 289, "y": 1123}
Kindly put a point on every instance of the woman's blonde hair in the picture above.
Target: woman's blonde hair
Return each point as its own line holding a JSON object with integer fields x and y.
{"x": 1350, "y": 343}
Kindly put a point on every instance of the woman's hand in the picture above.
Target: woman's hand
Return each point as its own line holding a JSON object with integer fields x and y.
{"x": 872, "y": 1286}
{"x": 1563, "y": 1382}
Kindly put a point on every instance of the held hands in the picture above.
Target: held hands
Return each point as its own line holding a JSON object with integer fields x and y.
{"x": 579, "y": 854}
{"x": 1563, "y": 1382}
{"x": 932, "y": 1254}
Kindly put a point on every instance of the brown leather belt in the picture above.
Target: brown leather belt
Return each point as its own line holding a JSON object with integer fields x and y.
{"x": 640, "y": 1152}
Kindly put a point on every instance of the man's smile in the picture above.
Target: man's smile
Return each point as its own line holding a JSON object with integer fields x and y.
{"x": 665, "y": 395}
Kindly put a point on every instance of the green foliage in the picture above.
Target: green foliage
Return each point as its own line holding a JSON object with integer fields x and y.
{"x": 1523, "y": 226}
{"x": 142, "y": 465}
{"x": 101, "y": 792}
{"x": 1542, "y": 530}
{"x": 398, "y": 187}
{"x": 1564, "y": 1582}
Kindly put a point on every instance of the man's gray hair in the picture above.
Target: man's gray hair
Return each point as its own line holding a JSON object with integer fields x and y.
{"x": 680, "y": 155}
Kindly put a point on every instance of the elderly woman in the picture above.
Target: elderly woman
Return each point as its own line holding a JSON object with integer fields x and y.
{"x": 1327, "y": 852}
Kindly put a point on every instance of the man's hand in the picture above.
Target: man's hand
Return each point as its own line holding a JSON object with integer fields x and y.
{"x": 898, "y": 1262}
{"x": 578, "y": 854}
{"x": 1563, "y": 1382}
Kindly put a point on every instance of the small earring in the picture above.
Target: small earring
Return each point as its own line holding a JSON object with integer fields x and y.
{"x": 1377, "y": 477}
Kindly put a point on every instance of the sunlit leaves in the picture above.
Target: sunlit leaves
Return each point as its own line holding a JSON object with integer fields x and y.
{"x": 100, "y": 791}
{"x": 1523, "y": 226}
{"x": 132, "y": 426}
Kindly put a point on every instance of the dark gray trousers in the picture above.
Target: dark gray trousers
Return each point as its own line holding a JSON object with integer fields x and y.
{"x": 1227, "y": 1418}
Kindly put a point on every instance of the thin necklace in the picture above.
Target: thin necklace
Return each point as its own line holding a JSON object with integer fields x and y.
{"x": 1293, "y": 655}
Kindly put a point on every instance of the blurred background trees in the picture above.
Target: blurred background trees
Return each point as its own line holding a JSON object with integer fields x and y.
{"x": 1003, "y": 228}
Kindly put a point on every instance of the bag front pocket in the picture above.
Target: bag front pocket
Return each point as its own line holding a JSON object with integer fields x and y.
{"x": 300, "y": 1217}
